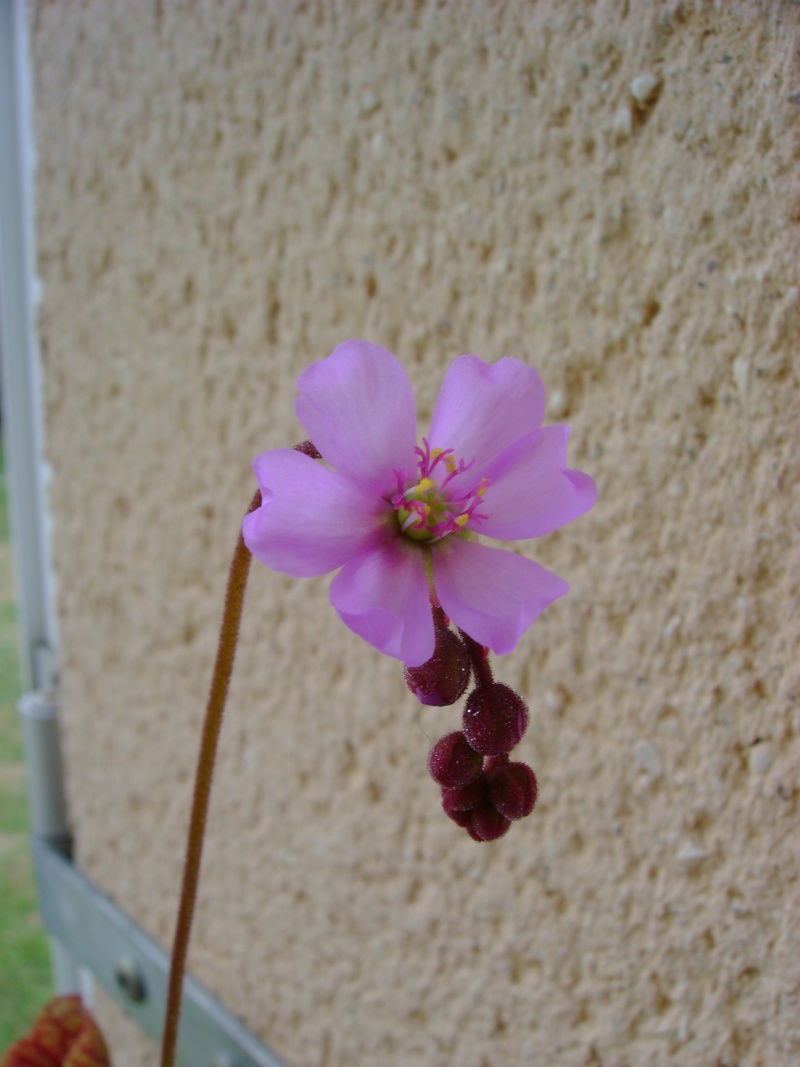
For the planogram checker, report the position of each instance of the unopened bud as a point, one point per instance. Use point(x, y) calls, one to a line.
point(460, 818)
point(443, 679)
point(465, 797)
point(487, 824)
point(513, 789)
point(453, 763)
point(495, 719)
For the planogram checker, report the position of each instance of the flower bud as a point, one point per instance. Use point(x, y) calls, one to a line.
point(513, 789)
point(460, 818)
point(453, 763)
point(495, 719)
point(465, 797)
point(487, 824)
point(444, 677)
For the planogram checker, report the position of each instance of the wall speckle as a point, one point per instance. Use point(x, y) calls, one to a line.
point(609, 191)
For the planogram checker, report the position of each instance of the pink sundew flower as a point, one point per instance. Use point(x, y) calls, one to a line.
point(398, 520)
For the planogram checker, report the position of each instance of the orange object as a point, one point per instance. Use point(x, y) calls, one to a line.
point(63, 1035)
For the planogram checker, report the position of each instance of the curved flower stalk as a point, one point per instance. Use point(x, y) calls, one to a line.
point(399, 520)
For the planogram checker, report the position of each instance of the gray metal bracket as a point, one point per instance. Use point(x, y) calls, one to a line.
point(133, 968)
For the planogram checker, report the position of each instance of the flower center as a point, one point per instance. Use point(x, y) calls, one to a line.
point(430, 509)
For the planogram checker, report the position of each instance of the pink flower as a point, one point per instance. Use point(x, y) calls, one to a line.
point(399, 521)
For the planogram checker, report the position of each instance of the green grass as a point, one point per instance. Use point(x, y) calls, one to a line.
point(25, 981)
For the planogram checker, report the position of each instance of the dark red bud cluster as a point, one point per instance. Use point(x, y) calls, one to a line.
point(482, 789)
point(500, 793)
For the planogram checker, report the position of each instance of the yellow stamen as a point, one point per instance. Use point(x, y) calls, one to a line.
point(425, 484)
point(462, 520)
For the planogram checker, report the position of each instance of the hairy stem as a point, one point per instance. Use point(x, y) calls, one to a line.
point(220, 680)
point(480, 660)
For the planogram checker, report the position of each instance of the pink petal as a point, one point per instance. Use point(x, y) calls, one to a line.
point(483, 407)
point(312, 520)
point(358, 408)
point(383, 597)
point(493, 595)
point(530, 492)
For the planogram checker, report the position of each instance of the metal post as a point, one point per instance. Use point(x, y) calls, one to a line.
point(22, 435)
point(22, 429)
point(48, 807)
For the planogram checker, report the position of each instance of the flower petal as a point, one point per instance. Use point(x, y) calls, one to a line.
point(493, 595)
point(358, 408)
point(311, 520)
point(483, 407)
point(383, 597)
point(531, 493)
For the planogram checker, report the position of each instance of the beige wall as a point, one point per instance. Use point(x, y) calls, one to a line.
point(226, 191)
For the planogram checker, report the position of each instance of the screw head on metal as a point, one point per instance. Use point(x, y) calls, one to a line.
point(130, 979)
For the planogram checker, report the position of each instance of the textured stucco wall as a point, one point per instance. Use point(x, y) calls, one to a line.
point(226, 191)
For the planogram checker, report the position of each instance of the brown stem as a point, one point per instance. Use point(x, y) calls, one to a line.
point(220, 680)
point(480, 660)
